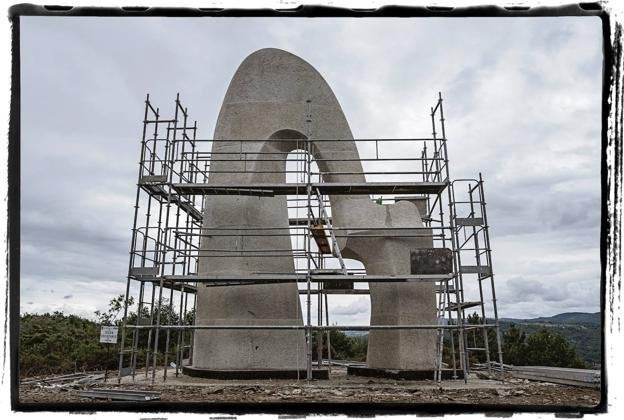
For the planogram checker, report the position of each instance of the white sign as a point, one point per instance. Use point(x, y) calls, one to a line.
point(108, 335)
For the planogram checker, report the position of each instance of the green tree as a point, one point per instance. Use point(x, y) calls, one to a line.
point(56, 343)
point(112, 316)
point(343, 347)
point(542, 348)
point(475, 339)
point(549, 348)
point(514, 346)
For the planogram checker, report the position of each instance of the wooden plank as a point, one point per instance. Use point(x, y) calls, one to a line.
point(320, 237)
point(342, 284)
point(468, 221)
point(144, 271)
point(475, 269)
point(464, 305)
point(145, 179)
point(267, 189)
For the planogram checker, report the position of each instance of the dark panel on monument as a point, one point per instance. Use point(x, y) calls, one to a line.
point(431, 261)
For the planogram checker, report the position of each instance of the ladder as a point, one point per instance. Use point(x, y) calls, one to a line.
point(475, 241)
point(327, 222)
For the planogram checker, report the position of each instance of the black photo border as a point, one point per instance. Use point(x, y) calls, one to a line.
point(612, 51)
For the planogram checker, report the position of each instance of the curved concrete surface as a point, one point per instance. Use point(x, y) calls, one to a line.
point(267, 99)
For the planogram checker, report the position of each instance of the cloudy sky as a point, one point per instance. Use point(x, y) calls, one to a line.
point(522, 102)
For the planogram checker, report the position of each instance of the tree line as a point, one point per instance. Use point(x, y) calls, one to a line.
point(57, 343)
point(545, 347)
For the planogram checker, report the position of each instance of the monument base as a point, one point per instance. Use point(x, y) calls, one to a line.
point(414, 375)
point(253, 373)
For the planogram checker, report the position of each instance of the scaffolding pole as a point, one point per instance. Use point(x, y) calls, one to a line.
point(166, 242)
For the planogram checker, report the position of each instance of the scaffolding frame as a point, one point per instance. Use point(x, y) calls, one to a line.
point(165, 245)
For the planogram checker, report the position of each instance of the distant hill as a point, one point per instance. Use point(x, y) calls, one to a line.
point(564, 318)
point(582, 329)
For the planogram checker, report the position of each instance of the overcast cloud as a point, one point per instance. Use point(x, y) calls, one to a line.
point(522, 103)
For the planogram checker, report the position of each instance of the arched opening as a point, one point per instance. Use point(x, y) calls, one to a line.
point(331, 303)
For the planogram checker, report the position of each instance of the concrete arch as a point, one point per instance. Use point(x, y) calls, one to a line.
point(267, 97)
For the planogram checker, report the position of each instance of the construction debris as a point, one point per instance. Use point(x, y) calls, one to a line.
point(341, 388)
point(121, 394)
point(63, 381)
point(567, 376)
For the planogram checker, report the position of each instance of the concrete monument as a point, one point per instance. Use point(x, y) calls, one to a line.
point(267, 99)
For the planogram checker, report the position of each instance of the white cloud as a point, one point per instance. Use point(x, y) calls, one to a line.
point(522, 101)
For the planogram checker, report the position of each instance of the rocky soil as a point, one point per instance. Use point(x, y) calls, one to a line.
point(481, 389)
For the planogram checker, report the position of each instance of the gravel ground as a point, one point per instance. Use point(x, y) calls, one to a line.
point(340, 388)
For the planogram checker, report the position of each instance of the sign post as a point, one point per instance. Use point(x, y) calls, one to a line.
point(108, 335)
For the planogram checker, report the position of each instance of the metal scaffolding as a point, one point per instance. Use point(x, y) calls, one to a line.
point(165, 251)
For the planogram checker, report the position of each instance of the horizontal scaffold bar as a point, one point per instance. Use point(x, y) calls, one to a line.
point(177, 286)
point(303, 141)
point(335, 291)
point(193, 289)
point(267, 189)
point(453, 306)
point(184, 231)
point(288, 278)
point(305, 327)
point(356, 291)
point(184, 204)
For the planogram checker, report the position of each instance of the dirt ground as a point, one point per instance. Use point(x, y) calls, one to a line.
point(480, 389)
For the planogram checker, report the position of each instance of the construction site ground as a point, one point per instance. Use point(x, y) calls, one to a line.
point(481, 389)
